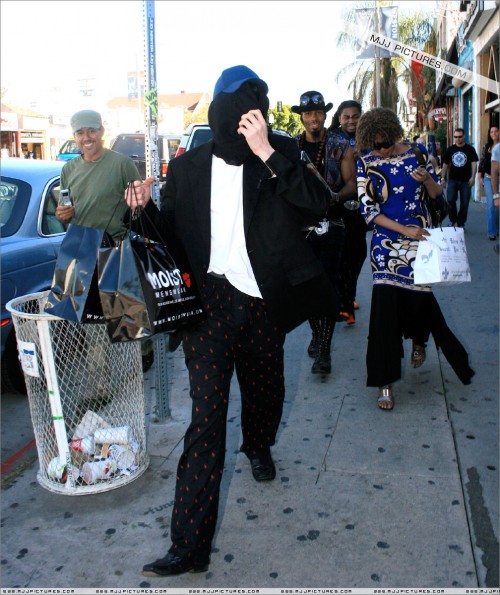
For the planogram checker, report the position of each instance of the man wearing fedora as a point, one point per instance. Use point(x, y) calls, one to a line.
point(236, 207)
point(332, 156)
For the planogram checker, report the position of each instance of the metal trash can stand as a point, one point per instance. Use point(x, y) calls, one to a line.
point(86, 398)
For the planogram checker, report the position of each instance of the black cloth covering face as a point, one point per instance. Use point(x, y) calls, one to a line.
point(224, 115)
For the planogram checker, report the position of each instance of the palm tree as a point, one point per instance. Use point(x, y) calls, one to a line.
point(395, 72)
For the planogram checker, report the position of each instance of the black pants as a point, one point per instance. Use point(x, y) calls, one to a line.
point(328, 248)
point(235, 335)
point(395, 313)
point(353, 257)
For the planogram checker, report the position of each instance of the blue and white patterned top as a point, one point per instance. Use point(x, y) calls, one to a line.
point(386, 187)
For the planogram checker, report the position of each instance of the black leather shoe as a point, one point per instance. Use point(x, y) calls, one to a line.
point(322, 364)
point(312, 350)
point(263, 468)
point(172, 564)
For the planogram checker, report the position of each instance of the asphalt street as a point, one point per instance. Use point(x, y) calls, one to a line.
point(363, 498)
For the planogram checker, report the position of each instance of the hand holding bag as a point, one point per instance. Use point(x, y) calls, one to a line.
point(144, 291)
point(442, 258)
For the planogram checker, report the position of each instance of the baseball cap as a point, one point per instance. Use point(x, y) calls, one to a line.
point(86, 118)
point(232, 78)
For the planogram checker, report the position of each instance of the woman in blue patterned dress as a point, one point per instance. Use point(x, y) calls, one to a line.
point(390, 188)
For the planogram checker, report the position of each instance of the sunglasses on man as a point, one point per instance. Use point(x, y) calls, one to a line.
point(316, 99)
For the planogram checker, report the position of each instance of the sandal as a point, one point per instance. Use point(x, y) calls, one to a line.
point(385, 397)
point(417, 355)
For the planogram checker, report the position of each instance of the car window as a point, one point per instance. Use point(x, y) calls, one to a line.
point(132, 146)
point(14, 199)
point(50, 223)
point(69, 147)
point(200, 137)
point(173, 145)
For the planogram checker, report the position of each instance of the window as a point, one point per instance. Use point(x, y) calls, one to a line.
point(50, 223)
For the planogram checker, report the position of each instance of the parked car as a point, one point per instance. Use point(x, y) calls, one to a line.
point(133, 145)
point(199, 134)
point(69, 150)
point(30, 237)
point(194, 136)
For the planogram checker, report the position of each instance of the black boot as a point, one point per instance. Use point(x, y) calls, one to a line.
point(315, 324)
point(322, 364)
point(312, 350)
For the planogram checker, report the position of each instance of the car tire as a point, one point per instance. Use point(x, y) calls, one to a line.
point(12, 372)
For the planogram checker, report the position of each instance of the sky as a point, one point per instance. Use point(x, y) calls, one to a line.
point(50, 49)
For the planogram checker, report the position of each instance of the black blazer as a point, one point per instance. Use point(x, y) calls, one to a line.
point(275, 209)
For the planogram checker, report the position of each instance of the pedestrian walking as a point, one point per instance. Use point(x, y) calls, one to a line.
point(236, 206)
point(344, 122)
point(390, 186)
point(458, 173)
point(333, 158)
point(495, 179)
point(484, 175)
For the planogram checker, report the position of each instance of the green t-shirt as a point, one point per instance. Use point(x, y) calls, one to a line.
point(96, 189)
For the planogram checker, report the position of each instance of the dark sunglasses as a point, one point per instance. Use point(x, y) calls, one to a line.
point(387, 144)
point(461, 136)
point(317, 99)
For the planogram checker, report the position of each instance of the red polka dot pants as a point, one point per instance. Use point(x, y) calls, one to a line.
point(236, 335)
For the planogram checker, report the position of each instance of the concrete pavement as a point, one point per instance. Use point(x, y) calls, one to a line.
point(362, 499)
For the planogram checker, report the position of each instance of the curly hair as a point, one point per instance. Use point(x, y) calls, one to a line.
point(379, 121)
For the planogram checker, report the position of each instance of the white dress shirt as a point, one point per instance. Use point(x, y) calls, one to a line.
point(228, 252)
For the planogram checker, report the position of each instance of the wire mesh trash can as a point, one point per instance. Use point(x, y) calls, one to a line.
point(86, 398)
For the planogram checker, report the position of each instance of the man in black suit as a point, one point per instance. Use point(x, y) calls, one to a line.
point(236, 207)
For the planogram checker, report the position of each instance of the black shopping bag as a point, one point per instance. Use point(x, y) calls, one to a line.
point(71, 296)
point(143, 291)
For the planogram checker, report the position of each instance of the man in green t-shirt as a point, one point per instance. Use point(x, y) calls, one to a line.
point(96, 180)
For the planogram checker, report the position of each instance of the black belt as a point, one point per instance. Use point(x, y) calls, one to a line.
point(217, 275)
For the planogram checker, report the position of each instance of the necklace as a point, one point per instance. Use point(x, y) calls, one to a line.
point(319, 152)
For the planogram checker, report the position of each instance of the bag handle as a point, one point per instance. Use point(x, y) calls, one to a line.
point(418, 154)
point(140, 212)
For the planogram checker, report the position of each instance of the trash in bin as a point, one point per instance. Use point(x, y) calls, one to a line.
point(86, 400)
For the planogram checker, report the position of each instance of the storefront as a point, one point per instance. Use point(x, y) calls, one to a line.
point(10, 134)
point(24, 133)
point(33, 137)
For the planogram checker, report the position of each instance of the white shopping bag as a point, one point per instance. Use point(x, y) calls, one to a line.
point(442, 258)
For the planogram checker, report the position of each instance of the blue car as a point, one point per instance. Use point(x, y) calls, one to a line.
point(69, 150)
point(30, 237)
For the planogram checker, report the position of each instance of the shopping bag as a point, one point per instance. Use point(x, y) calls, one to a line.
point(442, 258)
point(73, 273)
point(143, 291)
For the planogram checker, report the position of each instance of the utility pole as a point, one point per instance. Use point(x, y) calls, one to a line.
point(153, 169)
point(377, 55)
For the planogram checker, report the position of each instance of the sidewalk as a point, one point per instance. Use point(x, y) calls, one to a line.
point(363, 498)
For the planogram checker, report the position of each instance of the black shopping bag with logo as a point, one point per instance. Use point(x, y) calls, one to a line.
point(74, 294)
point(144, 291)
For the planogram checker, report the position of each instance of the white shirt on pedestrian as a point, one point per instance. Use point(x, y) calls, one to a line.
point(228, 251)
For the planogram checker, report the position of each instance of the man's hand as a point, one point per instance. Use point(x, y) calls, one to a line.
point(254, 128)
point(139, 195)
point(65, 213)
point(471, 182)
